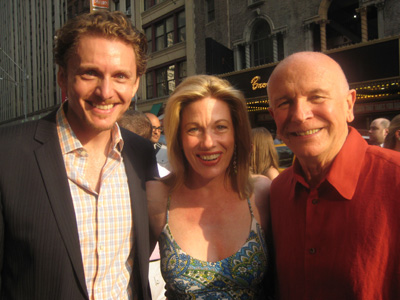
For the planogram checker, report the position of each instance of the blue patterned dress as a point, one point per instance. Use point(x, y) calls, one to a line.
point(239, 276)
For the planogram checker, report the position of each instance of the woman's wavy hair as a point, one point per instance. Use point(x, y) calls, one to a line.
point(390, 140)
point(263, 155)
point(195, 88)
point(111, 25)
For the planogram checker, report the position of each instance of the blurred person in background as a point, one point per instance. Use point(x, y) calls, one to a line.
point(392, 140)
point(161, 149)
point(137, 122)
point(157, 129)
point(209, 214)
point(264, 158)
point(378, 131)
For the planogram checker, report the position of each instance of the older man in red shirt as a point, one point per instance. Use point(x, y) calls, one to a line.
point(335, 214)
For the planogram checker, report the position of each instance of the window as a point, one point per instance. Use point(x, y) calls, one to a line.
point(261, 46)
point(210, 10)
point(167, 32)
point(182, 71)
point(344, 27)
point(160, 40)
point(149, 85)
point(165, 78)
point(181, 27)
point(149, 35)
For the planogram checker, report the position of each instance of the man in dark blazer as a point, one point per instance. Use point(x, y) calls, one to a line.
point(50, 192)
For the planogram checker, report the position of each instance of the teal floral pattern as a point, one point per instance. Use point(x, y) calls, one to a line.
point(239, 276)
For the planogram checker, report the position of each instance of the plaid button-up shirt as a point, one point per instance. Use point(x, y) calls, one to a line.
point(104, 219)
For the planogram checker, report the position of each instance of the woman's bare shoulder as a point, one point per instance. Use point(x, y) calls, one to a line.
point(155, 189)
point(272, 173)
point(262, 186)
point(157, 196)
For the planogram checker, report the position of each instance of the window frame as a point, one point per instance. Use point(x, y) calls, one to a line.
point(157, 41)
point(180, 72)
point(210, 10)
point(260, 46)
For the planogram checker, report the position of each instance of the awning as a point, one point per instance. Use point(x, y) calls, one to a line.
point(156, 108)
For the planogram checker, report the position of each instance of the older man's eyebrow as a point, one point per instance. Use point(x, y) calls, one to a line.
point(318, 91)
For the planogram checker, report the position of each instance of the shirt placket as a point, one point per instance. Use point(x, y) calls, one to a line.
point(311, 250)
point(104, 213)
point(100, 248)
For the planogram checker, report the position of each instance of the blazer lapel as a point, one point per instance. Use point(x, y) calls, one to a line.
point(51, 164)
point(140, 220)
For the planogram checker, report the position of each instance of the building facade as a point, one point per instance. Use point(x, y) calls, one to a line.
point(243, 40)
point(240, 40)
point(27, 70)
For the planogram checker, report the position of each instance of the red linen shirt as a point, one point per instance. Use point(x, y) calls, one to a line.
point(340, 240)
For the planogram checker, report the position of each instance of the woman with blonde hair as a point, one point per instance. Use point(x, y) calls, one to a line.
point(210, 215)
point(392, 140)
point(264, 158)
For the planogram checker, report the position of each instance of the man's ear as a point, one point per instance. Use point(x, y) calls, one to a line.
point(386, 131)
point(135, 87)
point(271, 112)
point(62, 79)
point(397, 134)
point(350, 100)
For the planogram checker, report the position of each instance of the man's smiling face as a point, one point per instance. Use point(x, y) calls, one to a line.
point(311, 105)
point(100, 81)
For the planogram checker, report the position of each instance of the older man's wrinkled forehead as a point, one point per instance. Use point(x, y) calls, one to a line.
point(308, 66)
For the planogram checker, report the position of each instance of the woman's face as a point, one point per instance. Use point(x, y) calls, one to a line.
point(207, 136)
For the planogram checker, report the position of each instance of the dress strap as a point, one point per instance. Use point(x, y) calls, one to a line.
point(168, 202)
point(251, 209)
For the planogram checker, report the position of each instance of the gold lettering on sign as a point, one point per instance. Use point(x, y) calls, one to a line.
point(255, 84)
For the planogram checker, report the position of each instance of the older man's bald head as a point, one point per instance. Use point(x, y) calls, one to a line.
point(309, 61)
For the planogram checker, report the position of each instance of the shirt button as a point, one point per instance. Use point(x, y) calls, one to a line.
point(312, 250)
point(315, 201)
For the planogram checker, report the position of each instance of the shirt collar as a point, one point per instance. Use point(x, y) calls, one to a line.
point(68, 140)
point(346, 167)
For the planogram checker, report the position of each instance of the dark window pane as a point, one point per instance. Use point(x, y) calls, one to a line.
point(149, 36)
point(182, 70)
point(160, 44)
point(181, 27)
point(149, 85)
point(210, 10)
point(262, 44)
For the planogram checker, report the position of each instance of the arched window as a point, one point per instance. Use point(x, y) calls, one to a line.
point(261, 45)
point(344, 25)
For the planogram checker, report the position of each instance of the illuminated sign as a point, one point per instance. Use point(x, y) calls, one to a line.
point(252, 83)
point(100, 4)
point(255, 84)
